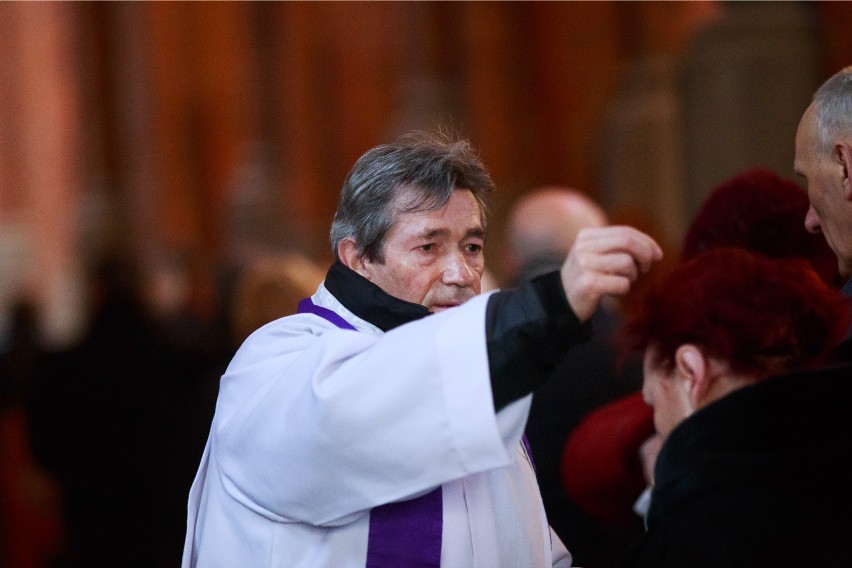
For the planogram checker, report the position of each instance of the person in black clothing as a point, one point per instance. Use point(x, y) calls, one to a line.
point(109, 419)
point(541, 229)
point(754, 470)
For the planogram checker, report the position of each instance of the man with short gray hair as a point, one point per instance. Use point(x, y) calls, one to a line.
point(823, 160)
point(382, 425)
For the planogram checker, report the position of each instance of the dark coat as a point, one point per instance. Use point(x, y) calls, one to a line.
point(759, 478)
point(844, 350)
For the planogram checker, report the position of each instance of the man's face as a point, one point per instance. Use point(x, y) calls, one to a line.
point(830, 213)
point(433, 258)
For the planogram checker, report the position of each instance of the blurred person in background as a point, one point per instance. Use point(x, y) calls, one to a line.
point(754, 469)
point(609, 457)
point(109, 419)
point(96, 422)
point(382, 424)
point(270, 288)
point(31, 528)
point(542, 226)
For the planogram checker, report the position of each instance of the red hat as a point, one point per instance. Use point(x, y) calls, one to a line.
point(600, 460)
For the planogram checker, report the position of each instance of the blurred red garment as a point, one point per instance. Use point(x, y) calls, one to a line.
point(31, 532)
point(601, 468)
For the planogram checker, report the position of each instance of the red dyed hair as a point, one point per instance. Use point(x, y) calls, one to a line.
point(762, 316)
point(762, 212)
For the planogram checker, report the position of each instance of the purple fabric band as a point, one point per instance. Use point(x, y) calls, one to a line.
point(406, 534)
point(528, 449)
point(307, 306)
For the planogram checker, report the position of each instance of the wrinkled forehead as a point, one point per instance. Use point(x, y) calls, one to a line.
point(416, 199)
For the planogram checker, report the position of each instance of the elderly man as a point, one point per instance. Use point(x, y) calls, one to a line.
point(382, 425)
point(823, 159)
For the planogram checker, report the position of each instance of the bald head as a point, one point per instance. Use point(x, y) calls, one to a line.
point(542, 227)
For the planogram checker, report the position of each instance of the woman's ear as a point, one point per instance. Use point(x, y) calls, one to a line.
point(349, 255)
point(693, 373)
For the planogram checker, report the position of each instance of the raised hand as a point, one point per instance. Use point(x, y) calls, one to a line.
point(605, 262)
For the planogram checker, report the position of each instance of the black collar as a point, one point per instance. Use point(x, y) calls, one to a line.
point(368, 301)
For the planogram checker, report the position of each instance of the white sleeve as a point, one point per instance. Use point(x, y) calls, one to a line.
point(560, 557)
point(316, 424)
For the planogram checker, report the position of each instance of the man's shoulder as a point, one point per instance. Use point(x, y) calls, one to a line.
point(288, 333)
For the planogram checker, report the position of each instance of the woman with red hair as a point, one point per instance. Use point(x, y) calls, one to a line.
point(754, 470)
point(607, 460)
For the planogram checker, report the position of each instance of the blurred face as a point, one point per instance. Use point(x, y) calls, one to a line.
point(433, 258)
point(666, 394)
point(830, 212)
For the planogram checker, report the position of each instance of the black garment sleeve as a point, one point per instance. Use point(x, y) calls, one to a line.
point(528, 331)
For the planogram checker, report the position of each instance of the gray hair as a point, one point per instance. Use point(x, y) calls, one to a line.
point(422, 168)
point(833, 107)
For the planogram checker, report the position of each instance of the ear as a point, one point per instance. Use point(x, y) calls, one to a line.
point(349, 255)
point(843, 155)
point(693, 371)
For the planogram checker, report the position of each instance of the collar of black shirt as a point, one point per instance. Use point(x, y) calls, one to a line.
point(368, 301)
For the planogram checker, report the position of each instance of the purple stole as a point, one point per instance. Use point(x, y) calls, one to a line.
point(405, 534)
